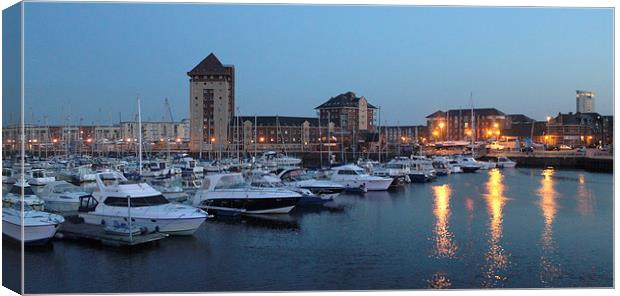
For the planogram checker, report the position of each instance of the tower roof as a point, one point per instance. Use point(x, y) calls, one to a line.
point(210, 65)
point(348, 99)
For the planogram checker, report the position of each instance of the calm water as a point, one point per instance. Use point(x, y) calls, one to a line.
point(510, 228)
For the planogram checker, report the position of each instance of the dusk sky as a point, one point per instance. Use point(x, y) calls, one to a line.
point(90, 61)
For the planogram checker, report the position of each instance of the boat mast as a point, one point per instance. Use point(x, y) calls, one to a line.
point(473, 124)
point(139, 137)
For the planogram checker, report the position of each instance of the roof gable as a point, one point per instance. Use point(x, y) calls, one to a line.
point(210, 65)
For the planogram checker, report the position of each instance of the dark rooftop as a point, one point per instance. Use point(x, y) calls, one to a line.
point(275, 120)
point(477, 111)
point(347, 99)
point(211, 65)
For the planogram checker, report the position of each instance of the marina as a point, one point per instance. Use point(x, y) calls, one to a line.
point(451, 231)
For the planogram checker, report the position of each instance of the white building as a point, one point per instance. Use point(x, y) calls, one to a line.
point(585, 101)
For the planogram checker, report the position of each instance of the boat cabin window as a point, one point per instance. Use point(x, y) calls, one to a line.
point(18, 190)
point(136, 201)
point(67, 188)
point(7, 172)
point(38, 174)
point(235, 181)
point(292, 176)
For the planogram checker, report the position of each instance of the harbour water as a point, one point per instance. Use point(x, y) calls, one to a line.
point(512, 228)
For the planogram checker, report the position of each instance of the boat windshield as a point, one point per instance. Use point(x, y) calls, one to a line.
point(38, 174)
point(66, 188)
point(230, 182)
point(145, 201)
point(296, 175)
point(17, 190)
point(395, 166)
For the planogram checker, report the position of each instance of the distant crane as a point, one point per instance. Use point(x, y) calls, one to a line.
point(167, 104)
point(169, 109)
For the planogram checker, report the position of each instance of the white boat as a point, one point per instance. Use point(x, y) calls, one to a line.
point(229, 193)
point(38, 227)
point(40, 177)
point(505, 162)
point(189, 166)
point(299, 178)
point(61, 196)
point(273, 160)
point(172, 192)
point(398, 169)
point(8, 176)
point(116, 198)
point(468, 164)
point(21, 191)
point(353, 177)
point(442, 166)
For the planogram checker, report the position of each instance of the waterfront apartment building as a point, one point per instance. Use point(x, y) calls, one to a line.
point(353, 119)
point(456, 124)
point(154, 131)
point(579, 129)
point(278, 133)
point(585, 101)
point(211, 104)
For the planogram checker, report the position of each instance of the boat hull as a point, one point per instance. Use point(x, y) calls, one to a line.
point(281, 205)
point(173, 226)
point(33, 235)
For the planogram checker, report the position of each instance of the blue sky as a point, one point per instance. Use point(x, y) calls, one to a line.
point(90, 61)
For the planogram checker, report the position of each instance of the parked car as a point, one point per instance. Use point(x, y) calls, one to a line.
point(565, 147)
point(581, 149)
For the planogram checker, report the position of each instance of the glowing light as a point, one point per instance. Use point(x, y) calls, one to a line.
point(178, 140)
point(496, 125)
point(441, 125)
point(128, 139)
point(261, 139)
point(444, 246)
point(89, 140)
point(496, 258)
point(212, 140)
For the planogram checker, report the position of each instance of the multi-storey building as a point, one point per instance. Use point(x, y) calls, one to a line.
point(456, 124)
point(353, 116)
point(153, 131)
point(211, 103)
point(585, 101)
point(576, 129)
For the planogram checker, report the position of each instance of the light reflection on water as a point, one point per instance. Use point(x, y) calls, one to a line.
point(585, 199)
point(496, 258)
point(549, 270)
point(444, 244)
point(511, 228)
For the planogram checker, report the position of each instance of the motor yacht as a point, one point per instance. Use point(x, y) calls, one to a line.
point(38, 227)
point(8, 176)
point(273, 160)
point(505, 162)
point(171, 191)
point(21, 191)
point(296, 177)
point(61, 196)
point(353, 177)
point(229, 193)
point(468, 164)
point(40, 177)
point(116, 198)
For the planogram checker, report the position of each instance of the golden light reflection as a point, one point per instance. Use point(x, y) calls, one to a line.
point(549, 270)
point(496, 257)
point(585, 200)
point(444, 246)
point(439, 281)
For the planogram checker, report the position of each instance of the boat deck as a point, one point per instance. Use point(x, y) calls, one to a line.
point(97, 233)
